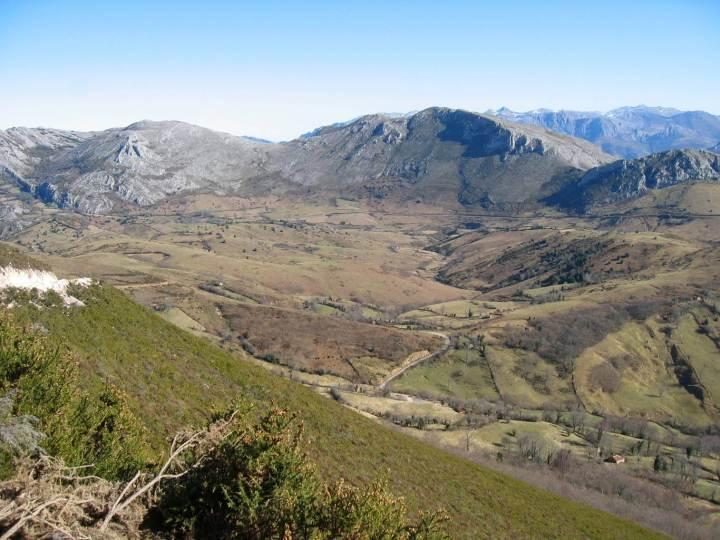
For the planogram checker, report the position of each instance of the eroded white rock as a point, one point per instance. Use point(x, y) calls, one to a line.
point(41, 281)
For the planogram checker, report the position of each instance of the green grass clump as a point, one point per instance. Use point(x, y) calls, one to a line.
point(173, 379)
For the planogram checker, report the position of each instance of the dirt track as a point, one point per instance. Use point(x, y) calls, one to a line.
point(394, 374)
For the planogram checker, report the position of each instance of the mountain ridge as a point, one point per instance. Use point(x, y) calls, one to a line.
point(449, 155)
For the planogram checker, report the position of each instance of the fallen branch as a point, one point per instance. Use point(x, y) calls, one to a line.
point(120, 504)
point(29, 515)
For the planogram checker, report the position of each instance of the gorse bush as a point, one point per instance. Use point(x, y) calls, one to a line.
point(255, 482)
point(82, 423)
point(373, 512)
point(243, 476)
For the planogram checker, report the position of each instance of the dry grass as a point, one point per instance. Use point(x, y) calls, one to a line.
point(46, 497)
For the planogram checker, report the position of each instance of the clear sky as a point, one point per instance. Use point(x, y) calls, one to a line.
point(276, 69)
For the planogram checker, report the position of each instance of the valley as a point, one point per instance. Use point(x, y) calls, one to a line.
point(501, 338)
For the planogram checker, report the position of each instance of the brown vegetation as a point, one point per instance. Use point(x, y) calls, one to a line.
point(605, 377)
point(318, 343)
point(546, 259)
point(561, 337)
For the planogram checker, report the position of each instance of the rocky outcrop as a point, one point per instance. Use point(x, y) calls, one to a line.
point(441, 155)
point(628, 179)
point(23, 149)
point(139, 164)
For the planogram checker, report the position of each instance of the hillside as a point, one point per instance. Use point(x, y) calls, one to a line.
point(628, 132)
point(559, 305)
point(139, 164)
point(550, 317)
point(184, 378)
point(439, 155)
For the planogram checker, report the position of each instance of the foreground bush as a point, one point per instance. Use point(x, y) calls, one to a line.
point(251, 480)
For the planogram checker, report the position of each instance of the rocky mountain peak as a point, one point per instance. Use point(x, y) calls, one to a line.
point(134, 147)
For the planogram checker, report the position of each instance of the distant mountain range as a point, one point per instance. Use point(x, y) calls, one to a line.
point(438, 155)
point(628, 132)
point(445, 157)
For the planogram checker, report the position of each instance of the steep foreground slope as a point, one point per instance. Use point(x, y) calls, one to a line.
point(173, 379)
point(628, 132)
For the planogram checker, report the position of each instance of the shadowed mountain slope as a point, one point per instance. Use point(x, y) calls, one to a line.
point(629, 179)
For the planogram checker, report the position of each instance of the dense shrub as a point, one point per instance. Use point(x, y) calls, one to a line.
point(562, 337)
point(255, 482)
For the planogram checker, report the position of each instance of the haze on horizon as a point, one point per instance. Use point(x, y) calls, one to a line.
point(277, 69)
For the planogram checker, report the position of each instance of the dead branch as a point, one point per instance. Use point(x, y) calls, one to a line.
point(121, 503)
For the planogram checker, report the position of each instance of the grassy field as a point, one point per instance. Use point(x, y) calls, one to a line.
point(647, 388)
point(181, 319)
point(695, 342)
point(261, 260)
point(457, 373)
point(527, 380)
point(387, 407)
point(504, 437)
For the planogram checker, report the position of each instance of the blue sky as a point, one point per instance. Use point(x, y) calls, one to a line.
point(276, 69)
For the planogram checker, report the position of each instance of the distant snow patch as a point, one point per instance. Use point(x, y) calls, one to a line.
point(42, 282)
